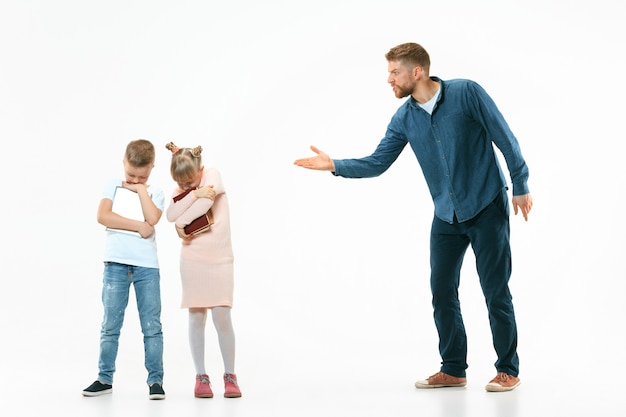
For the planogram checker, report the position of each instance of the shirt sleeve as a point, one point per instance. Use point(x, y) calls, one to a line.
point(109, 188)
point(501, 135)
point(378, 162)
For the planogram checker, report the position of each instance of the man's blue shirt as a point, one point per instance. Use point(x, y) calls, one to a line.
point(454, 147)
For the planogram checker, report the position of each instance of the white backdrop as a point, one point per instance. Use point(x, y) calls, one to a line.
point(331, 273)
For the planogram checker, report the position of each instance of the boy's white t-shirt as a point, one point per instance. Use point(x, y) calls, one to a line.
point(131, 249)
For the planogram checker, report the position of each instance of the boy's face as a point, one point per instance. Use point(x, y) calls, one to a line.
point(136, 175)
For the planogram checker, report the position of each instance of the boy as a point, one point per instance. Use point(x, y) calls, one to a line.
point(131, 258)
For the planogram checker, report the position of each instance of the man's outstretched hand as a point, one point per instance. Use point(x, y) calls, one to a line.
point(320, 162)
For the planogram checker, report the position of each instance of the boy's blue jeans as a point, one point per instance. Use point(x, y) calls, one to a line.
point(115, 291)
point(488, 234)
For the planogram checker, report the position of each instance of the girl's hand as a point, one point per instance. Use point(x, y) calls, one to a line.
point(205, 192)
point(182, 234)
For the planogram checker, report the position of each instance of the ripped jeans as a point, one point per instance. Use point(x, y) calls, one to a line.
point(115, 292)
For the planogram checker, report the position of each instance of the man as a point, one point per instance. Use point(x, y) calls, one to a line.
point(451, 126)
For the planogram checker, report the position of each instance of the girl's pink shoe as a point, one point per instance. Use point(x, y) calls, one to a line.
point(231, 388)
point(203, 387)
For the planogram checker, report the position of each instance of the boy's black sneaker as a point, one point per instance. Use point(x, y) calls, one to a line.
point(156, 392)
point(97, 388)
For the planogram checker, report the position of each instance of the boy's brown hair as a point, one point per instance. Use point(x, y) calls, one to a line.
point(140, 153)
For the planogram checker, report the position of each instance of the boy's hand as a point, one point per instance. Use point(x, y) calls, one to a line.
point(133, 187)
point(205, 192)
point(145, 229)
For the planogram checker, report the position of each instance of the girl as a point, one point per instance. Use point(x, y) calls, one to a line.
point(206, 262)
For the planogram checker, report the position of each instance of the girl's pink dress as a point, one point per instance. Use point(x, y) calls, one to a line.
point(206, 261)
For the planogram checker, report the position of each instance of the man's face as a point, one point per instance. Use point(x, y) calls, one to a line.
point(136, 175)
point(401, 80)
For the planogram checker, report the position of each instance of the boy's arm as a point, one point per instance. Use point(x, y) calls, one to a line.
point(151, 212)
point(108, 218)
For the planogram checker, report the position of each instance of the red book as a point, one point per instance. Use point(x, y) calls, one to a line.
point(199, 225)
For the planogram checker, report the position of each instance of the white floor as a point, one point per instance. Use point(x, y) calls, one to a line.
point(334, 394)
point(318, 370)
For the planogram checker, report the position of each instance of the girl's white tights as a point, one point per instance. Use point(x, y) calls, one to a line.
point(225, 335)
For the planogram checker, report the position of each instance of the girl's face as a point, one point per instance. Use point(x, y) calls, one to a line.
point(193, 184)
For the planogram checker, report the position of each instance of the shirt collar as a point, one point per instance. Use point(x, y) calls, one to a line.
point(414, 103)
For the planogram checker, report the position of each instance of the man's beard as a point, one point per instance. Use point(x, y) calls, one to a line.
point(403, 92)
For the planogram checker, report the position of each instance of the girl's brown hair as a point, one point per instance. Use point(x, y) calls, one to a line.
point(186, 162)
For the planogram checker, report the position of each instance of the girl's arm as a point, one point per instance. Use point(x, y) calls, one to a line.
point(190, 207)
point(175, 209)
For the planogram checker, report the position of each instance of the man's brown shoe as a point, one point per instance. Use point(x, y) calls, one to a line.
point(503, 382)
point(440, 380)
